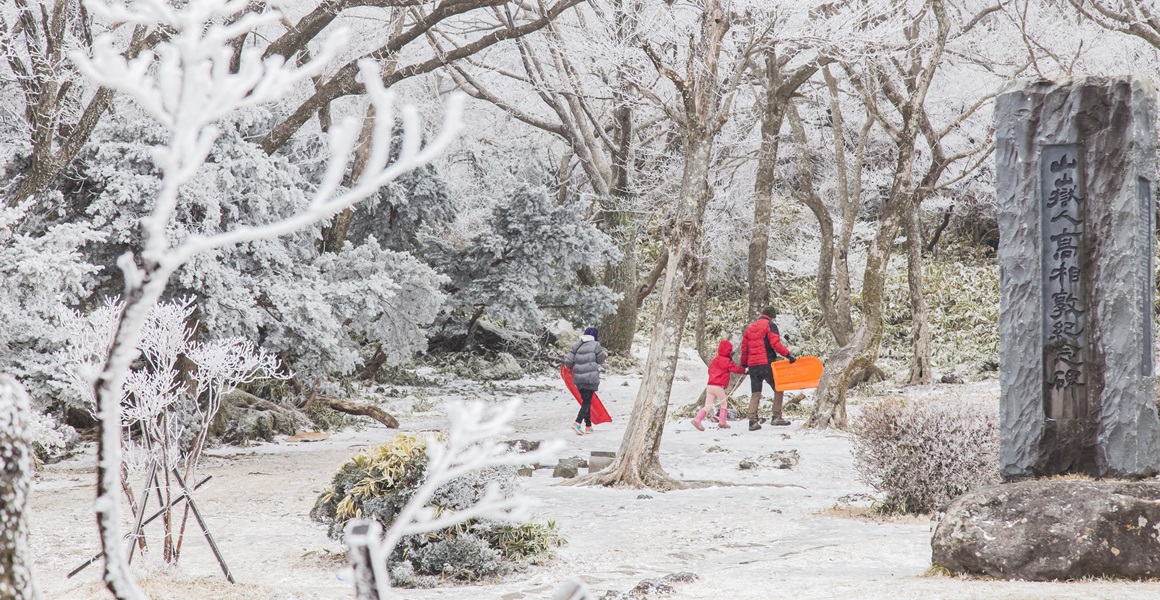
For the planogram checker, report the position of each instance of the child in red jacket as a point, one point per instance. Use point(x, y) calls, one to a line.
point(719, 370)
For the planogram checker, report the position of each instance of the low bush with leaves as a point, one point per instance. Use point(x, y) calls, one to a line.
point(922, 453)
point(378, 483)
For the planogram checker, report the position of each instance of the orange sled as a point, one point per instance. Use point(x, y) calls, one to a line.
point(599, 414)
point(803, 374)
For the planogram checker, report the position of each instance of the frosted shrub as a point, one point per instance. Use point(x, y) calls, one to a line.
point(922, 453)
point(51, 439)
point(165, 412)
point(376, 484)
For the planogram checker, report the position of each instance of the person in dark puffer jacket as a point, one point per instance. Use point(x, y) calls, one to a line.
point(584, 359)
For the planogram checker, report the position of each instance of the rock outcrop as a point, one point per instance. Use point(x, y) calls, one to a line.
point(1046, 530)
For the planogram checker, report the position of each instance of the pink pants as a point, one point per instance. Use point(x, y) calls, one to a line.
point(714, 393)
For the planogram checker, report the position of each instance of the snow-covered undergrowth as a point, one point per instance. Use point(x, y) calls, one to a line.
point(921, 453)
point(963, 303)
point(378, 483)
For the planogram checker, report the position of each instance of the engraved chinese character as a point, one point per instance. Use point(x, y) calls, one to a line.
point(1065, 304)
point(1065, 329)
point(1069, 354)
point(1065, 244)
point(1063, 273)
point(1062, 164)
point(1063, 196)
point(1066, 217)
point(1065, 379)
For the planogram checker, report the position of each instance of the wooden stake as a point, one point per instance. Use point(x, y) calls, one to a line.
point(201, 522)
point(152, 517)
point(135, 535)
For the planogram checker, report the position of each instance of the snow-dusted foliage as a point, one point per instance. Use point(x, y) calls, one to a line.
point(530, 256)
point(406, 212)
point(458, 485)
point(922, 453)
point(40, 267)
point(16, 580)
point(319, 310)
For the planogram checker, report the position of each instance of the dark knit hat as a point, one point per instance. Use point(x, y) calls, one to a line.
point(592, 332)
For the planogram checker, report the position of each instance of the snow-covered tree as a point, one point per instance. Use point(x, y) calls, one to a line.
point(322, 312)
point(531, 256)
point(40, 267)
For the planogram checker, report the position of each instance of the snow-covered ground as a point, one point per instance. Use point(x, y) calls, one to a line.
point(769, 534)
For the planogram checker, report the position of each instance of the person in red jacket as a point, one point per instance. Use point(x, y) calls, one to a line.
point(719, 369)
point(760, 346)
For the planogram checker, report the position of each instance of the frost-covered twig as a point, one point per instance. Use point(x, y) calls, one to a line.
point(187, 83)
point(471, 445)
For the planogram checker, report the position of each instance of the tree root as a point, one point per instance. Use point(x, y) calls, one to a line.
point(618, 475)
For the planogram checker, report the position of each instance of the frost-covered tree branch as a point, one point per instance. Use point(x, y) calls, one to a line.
point(186, 84)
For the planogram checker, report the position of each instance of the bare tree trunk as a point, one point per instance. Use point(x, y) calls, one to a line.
point(334, 234)
point(16, 580)
point(920, 365)
point(619, 328)
point(845, 363)
point(772, 115)
point(704, 349)
point(830, 405)
point(637, 463)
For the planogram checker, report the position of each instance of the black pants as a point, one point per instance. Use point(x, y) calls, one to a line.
point(585, 414)
point(759, 374)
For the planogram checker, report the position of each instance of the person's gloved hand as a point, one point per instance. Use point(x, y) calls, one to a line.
point(792, 359)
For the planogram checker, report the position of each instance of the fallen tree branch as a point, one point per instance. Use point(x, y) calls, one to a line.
point(362, 410)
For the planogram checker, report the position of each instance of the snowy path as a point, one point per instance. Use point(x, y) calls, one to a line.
point(771, 535)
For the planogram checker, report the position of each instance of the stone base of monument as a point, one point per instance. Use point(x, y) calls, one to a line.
point(1047, 530)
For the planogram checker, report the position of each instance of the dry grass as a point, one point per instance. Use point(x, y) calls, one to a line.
point(871, 515)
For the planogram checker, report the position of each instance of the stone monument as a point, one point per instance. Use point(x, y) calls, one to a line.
point(1074, 169)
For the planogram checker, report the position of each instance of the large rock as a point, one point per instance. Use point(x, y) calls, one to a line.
point(1044, 530)
point(569, 467)
point(504, 366)
point(599, 460)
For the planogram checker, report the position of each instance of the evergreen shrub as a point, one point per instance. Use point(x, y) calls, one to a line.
point(922, 453)
point(378, 483)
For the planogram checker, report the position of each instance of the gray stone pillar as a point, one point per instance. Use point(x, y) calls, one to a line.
point(1074, 170)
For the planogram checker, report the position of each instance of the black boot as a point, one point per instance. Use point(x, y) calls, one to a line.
point(754, 425)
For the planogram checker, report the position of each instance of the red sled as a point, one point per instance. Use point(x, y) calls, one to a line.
point(599, 414)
